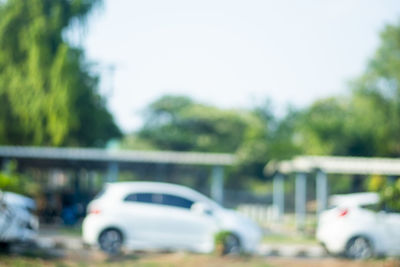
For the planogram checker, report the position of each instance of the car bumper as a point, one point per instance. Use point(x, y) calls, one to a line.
point(251, 242)
point(332, 238)
point(91, 229)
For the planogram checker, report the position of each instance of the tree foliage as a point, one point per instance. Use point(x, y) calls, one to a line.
point(367, 121)
point(12, 181)
point(47, 94)
point(179, 123)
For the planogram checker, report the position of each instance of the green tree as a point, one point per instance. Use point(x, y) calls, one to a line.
point(380, 83)
point(179, 123)
point(353, 126)
point(11, 180)
point(47, 94)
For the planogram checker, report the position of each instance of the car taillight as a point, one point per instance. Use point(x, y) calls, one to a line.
point(343, 212)
point(95, 211)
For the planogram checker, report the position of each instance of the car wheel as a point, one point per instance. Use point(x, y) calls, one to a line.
point(359, 248)
point(110, 241)
point(232, 245)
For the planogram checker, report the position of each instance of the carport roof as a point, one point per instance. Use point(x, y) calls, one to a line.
point(336, 165)
point(118, 156)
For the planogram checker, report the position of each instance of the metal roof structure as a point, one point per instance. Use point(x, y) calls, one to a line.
point(336, 165)
point(117, 156)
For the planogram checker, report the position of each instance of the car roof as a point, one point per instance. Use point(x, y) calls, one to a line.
point(142, 185)
point(354, 199)
point(123, 188)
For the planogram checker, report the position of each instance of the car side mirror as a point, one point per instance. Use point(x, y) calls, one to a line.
point(202, 208)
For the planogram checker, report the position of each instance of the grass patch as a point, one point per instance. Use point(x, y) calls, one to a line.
point(284, 239)
point(72, 231)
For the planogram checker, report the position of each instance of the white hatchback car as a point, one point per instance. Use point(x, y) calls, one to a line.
point(161, 216)
point(356, 228)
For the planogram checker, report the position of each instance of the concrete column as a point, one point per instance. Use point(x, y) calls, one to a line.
point(76, 183)
point(76, 187)
point(321, 191)
point(91, 177)
point(112, 172)
point(6, 166)
point(279, 195)
point(301, 200)
point(217, 184)
point(161, 172)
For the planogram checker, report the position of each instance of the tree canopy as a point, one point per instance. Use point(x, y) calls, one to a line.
point(48, 95)
point(365, 122)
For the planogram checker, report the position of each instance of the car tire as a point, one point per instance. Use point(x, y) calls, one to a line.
point(110, 241)
point(232, 245)
point(359, 248)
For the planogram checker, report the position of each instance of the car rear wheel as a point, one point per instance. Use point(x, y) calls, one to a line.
point(359, 248)
point(110, 241)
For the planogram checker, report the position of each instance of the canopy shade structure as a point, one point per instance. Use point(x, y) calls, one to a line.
point(103, 155)
point(113, 160)
point(336, 165)
point(320, 166)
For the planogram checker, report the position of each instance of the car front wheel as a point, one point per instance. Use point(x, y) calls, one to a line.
point(110, 241)
point(359, 248)
point(231, 244)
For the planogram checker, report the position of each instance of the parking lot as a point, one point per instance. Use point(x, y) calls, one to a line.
point(63, 247)
point(95, 258)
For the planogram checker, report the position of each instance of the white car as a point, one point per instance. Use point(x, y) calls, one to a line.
point(17, 221)
point(161, 216)
point(356, 227)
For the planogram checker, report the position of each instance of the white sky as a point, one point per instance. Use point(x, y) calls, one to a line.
point(231, 53)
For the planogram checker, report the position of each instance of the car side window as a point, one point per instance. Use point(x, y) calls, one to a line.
point(175, 201)
point(163, 199)
point(140, 197)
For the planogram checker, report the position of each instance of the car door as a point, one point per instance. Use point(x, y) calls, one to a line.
point(142, 218)
point(185, 228)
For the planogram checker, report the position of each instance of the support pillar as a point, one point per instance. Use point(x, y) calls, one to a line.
point(217, 184)
point(321, 190)
point(161, 172)
point(6, 166)
point(279, 195)
point(90, 184)
point(300, 198)
point(112, 172)
point(76, 183)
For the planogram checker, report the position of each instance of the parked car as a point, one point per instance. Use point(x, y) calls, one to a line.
point(17, 220)
point(161, 216)
point(357, 228)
